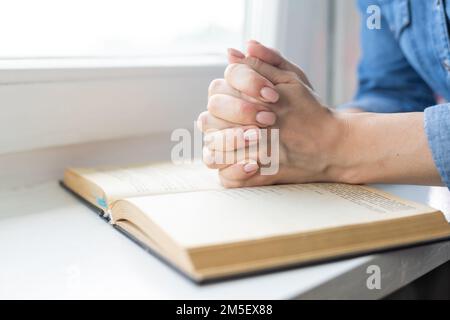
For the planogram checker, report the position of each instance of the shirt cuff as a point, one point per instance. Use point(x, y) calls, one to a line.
point(437, 128)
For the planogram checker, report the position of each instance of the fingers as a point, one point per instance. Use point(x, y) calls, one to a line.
point(232, 146)
point(246, 174)
point(206, 122)
point(235, 56)
point(248, 81)
point(255, 78)
point(232, 138)
point(268, 55)
point(239, 174)
point(218, 120)
point(274, 74)
point(239, 111)
point(220, 86)
point(235, 153)
point(238, 106)
point(274, 58)
point(222, 159)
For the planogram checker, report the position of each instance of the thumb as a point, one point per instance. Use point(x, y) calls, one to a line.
point(268, 55)
point(273, 57)
point(271, 73)
point(234, 56)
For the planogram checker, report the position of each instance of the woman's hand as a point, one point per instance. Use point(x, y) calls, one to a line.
point(256, 95)
point(265, 91)
point(260, 92)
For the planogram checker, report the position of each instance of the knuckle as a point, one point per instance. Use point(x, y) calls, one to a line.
point(254, 62)
point(210, 131)
point(215, 86)
point(254, 80)
point(291, 75)
point(202, 120)
point(213, 102)
point(202, 117)
point(230, 69)
point(246, 109)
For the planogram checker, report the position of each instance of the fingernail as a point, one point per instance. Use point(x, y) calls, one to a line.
point(266, 118)
point(236, 53)
point(251, 135)
point(251, 167)
point(269, 94)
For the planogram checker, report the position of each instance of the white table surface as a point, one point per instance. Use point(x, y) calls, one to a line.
point(52, 246)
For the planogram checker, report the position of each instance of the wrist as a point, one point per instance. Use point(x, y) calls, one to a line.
point(383, 148)
point(343, 152)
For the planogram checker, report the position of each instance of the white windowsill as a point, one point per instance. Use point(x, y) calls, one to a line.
point(19, 71)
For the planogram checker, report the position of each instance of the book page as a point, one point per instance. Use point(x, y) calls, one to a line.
point(123, 182)
point(215, 217)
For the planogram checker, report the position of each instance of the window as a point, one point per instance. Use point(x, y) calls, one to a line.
point(119, 28)
point(75, 71)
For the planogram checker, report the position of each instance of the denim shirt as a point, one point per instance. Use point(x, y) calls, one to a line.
point(405, 65)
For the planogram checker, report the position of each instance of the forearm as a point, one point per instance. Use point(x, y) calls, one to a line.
point(385, 148)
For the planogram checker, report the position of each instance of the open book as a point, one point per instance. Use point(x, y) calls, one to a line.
point(182, 214)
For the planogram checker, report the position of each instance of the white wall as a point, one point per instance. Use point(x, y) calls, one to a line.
point(322, 37)
point(346, 51)
point(304, 38)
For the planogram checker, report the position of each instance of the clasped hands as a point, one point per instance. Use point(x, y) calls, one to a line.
point(262, 90)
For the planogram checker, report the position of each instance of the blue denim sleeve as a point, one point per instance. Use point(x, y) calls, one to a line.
point(387, 83)
point(437, 128)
